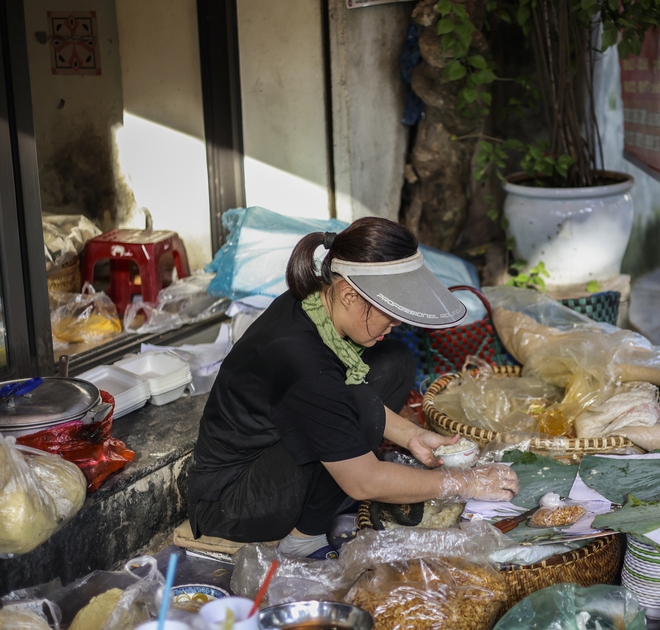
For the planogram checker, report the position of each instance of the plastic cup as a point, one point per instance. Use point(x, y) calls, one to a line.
point(214, 613)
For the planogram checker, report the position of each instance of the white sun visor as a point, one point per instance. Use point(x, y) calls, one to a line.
point(405, 289)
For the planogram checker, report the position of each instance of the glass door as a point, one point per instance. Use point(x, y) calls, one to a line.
point(4, 363)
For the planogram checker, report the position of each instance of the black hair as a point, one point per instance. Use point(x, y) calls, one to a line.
point(370, 239)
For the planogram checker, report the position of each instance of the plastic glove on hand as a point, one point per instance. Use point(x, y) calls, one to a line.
point(493, 482)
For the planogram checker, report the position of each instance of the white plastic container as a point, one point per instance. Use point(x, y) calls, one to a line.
point(463, 458)
point(168, 396)
point(167, 374)
point(130, 391)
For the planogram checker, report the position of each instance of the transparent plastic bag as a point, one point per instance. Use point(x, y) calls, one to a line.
point(555, 512)
point(496, 402)
point(141, 601)
point(251, 563)
point(86, 317)
point(474, 540)
point(530, 323)
point(551, 446)
point(185, 301)
point(573, 607)
point(65, 236)
point(39, 493)
point(441, 593)
point(13, 618)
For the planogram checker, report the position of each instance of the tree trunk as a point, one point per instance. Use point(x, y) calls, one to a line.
point(439, 170)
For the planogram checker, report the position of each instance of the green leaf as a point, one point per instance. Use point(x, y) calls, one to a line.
point(448, 40)
point(478, 61)
point(510, 243)
point(587, 4)
point(443, 7)
point(512, 144)
point(455, 70)
point(487, 98)
point(518, 265)
point(504, 223)
point(624, 49)
point(445, 25)
point(593, 286)
point(469, 94)
point(492, 214)
point(486, 146)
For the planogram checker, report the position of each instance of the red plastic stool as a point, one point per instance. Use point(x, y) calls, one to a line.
point(143, 247)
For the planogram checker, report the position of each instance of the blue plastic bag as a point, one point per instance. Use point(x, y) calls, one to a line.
point(253, 260)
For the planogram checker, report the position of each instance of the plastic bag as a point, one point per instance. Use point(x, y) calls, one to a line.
point(65, 236)
point(551, 446)
point(185, 301)
point(631, 404)
point(90, 446)
point(254, 257)
point(555, 512)
point(572, 607)
point(473, 541)
point(39, 493)
point(87, 317)
point(529, 322)
point(13, 618)
point(441, 593)
point(495, 402)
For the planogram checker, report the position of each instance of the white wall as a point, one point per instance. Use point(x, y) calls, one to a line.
point(161, 145)
point(367, 101)
point(73, 118)
point(282, 91)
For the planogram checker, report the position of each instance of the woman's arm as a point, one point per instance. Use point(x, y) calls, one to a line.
point(420, 442)
point(366, 477)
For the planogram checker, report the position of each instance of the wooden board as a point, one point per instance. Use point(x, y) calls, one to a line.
point(183, 537)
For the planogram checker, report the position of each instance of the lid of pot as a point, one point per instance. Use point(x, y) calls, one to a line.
point(55, 400)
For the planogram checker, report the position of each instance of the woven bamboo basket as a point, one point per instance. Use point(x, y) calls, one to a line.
point(598, 562)
point(67, 279)
point(442, 423)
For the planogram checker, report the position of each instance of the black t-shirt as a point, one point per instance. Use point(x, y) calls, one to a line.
point(280, 382)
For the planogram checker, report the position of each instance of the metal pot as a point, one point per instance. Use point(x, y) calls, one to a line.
point(54, 402)
point(315, 613)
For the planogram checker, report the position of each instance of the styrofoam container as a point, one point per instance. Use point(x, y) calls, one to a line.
point(153, 365)
point(168, 396)
point(114, 380)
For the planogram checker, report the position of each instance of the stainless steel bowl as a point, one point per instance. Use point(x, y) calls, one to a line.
point(328, 614)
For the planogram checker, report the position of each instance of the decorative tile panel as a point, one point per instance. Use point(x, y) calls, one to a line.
point(74, 42)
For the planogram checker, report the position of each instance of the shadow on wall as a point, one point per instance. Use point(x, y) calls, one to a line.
point(83, 172)
point(643, 254)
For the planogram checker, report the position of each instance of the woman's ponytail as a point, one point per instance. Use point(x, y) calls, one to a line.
point(301, 273)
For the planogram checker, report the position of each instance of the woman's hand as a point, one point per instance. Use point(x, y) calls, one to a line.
point(423, 443)
point(492, 482)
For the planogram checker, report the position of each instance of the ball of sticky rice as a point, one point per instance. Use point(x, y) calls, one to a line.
point(22, 620)
point(96, 613)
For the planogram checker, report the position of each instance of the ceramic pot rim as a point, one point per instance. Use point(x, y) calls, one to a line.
point(511, 185)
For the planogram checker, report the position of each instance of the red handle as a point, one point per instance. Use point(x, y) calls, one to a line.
point(479, 294)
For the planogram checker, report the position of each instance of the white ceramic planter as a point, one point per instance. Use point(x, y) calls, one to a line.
point(580, 234)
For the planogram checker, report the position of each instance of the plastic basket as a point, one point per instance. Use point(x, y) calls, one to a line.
point(601, 307)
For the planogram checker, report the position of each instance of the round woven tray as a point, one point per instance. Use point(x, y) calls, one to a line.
point(598, 562)
point(442, 423)
point(66, 279)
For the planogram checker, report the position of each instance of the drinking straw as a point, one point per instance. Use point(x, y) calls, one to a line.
point(264, 587)
point(169, 580)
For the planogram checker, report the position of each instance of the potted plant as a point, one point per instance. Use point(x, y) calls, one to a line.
point(562, 209)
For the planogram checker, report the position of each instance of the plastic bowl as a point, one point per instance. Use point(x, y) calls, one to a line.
point(313, 614)
point(461, 459)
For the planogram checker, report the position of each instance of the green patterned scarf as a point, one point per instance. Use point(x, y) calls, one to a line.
point(346, 350)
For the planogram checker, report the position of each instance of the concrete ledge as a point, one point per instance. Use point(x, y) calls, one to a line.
point(138, 503)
